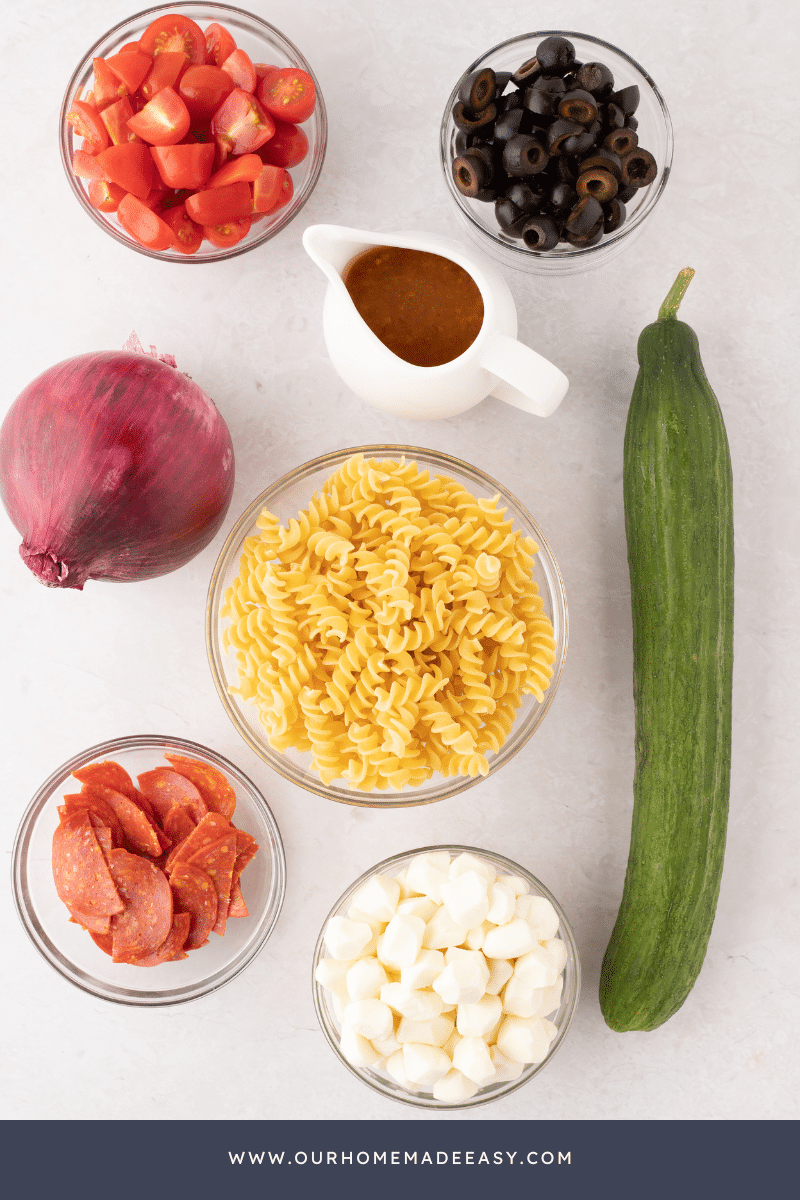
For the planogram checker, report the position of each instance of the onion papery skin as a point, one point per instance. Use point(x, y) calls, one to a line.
point(113, 466)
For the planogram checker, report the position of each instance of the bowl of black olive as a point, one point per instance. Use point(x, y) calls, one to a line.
point(555, 148)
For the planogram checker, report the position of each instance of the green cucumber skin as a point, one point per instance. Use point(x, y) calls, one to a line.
point(679, 526)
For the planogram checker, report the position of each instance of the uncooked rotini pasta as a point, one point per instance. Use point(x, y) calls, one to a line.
point(392, 629)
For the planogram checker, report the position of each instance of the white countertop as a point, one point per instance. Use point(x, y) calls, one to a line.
point(82, 667)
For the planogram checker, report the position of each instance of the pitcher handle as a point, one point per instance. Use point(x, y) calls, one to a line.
point(525, 378)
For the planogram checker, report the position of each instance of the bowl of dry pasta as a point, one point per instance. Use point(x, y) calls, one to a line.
point(386, 626)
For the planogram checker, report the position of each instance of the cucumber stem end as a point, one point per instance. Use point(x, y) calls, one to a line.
point(669, 309)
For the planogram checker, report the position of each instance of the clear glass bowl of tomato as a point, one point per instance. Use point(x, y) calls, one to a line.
point(165, 62)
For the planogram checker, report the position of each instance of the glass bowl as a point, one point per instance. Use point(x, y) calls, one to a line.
point(655, 135)
point(263, 43)
point(284, 499)
point(380, 1080)
point(69, 948)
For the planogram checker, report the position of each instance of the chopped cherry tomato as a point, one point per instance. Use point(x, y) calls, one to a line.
point(289, 94)
point(107, 86)
point(264, 69)
point(241, 70)
point(287, 191)
point(219, 44)
point(240, 125)
point(131, 66)
point(87, 124)
point(287, 147)
point(105, 195)
point(145, 226)
point(156, 198)
point(115, 118)
point(87, 166)
point(203, 90)
point(218, 206)
point(246, 167)
point(129, 165)
point(228, 234)
point(164, 120)
point(267, 188)
point(186, 166)
point(165, 72)
point(175, 32)
point(187, 237)
point(129, 46)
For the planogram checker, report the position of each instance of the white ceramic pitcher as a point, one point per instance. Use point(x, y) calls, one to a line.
point(495, 364)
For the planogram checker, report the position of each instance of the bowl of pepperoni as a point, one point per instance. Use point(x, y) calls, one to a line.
point(193, 133)
point(148, 871)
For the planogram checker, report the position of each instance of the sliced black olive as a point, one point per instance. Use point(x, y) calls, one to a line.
point(526, 198)
point(524, 154)
point(578, 106)
point(621, 140)
point(626, 193)
point(627, 99)
point(631, 123)
point(596, 78)
point(585, 239)
point(540, 104)
point(614, 116)
point(556, 55)
point(613, 215)
point(558, 133)
point(584, 216)
point(471, 174)
point(540, 233)
point(580, 143)
point(507, 213)
point(598, 183)
point(465, 118)
point(464, 140)
point(604, 158)
point(567, 169)
point(501, 82)
point(478, 89)
point(552, 85)
point(516, 120)
point(506, 103)
point(563, 198)
point(638, 168)
point(527, 72)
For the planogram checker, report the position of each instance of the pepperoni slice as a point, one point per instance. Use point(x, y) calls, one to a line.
point(94, 804)
point(193, 892)
point(103, 940)
point(178, 824)
point(114, 776)
point(246, 848)
point(210, 783)
point(164, 787)
point(139, 832)
point(212, 827)
point(147, 918)
point(217, 861)
point(171, 948)
point(82, 878)
point(237, 906)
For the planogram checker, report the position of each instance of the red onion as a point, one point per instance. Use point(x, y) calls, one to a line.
point(114, 466)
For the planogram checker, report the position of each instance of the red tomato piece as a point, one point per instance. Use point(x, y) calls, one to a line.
point(86, 166)
point(104, 195)
point(144, 226)
point(287, 147)
point(86, 122)
point(156, 197)
point(164, 120)
point(289, 94)
point(240, 125)
point(185, 166)
point(225, 236)
point(107, 86)
point(129, 46)
point(217, 206)
point(115, 118)
point(246, 167)
point(166, 70)
point(131, 66)
point(174, 32)
point(203, 90)
point(264, 69)
point(130, 166)
point(268, 187)
point(241, 70)
point(219, 44)
point(287, 191)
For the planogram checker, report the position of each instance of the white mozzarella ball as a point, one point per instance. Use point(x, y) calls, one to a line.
point(523, 1039)
point(395, 1065)
point(477, 936)
point(365, 978)
point(386, 1046)
point(463, 980)
point(471, 1057)
point(466, 899)
point(468, 862)
point(502, 903)
point(500, 971)
point(442, 931)
point(378, 897)
point(418, 1004)
point(435, 1032)
point(505, 1069)
point(371, 1018)
point(479, 1019)
point(509, 940)
point(521, 999)
point(451, 1043)
point(418, 906)
point(424, 1065)
point(422, 972)
point(537, 967)
point(331, 973)
point(426, 874)
point(551, 997)
point(559, 949)
point(518, 885)
point(401, 941)
point(550, 1029)
point(346, 939)
point(357, 1049)
point(454, 1088)
point(540, 915)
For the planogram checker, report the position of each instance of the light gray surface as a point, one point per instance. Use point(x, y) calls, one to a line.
point(79, 668)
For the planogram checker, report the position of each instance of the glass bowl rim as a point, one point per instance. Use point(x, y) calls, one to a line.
point(39, 936)
point(410, 1098)
point(317, 150)
point(576, 253)
point(450, 787)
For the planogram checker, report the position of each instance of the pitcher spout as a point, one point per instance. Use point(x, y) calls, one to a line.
point(333, 246)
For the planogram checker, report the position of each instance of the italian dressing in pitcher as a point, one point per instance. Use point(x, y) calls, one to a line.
point(494, 363)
